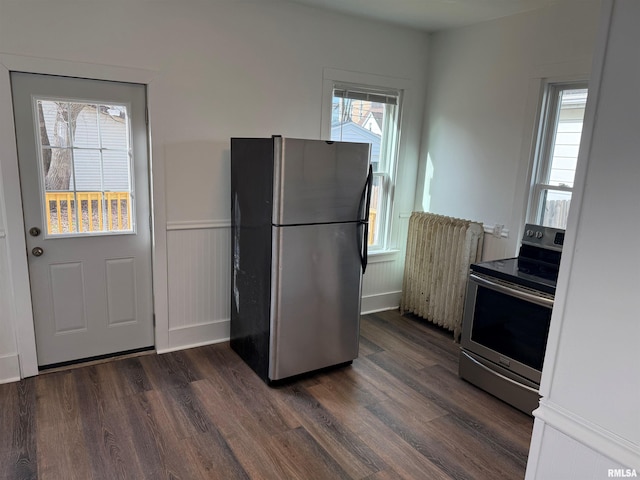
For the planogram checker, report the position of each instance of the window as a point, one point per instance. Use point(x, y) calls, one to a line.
point(558, 143)
point(370, 115)
point(85, 167)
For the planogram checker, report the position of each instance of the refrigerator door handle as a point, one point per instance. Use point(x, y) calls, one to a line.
point(364, 220)
point(365, 197)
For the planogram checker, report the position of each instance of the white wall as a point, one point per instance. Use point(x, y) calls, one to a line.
point(215, 69)
point(589, 418)
point(483, 93)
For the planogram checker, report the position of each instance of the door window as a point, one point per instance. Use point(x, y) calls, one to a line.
point(85, 167)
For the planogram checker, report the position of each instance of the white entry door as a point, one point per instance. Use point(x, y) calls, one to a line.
point(82, 151)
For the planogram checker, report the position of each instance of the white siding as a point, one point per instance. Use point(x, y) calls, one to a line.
point(88, 165)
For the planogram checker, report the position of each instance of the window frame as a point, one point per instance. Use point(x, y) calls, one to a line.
point(380, 85)
point(545, 132)
point(44, 206)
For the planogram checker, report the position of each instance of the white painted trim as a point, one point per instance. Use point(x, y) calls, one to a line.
point(383, 256)
point(528, 149)
point(575, 70)
point(380, 302)
point(535, 445)
point(198, 335)
point(9, 368)
point(19, 285)
point(198, 225)
point(218, 331)
point(562, 72)
point(19, 312)
point(589, 434)
point(159, 217)
point(65, 68)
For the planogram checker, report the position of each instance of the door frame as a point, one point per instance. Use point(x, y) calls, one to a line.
point(21, 313)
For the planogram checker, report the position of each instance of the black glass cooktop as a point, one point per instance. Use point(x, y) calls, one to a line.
point(522, 272)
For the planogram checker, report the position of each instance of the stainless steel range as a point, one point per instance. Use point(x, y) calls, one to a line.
point(507, 316)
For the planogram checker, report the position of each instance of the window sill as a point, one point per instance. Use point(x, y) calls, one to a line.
point(381, 256)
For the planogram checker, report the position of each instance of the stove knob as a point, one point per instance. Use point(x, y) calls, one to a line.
point(529, 233)
point(539, 234)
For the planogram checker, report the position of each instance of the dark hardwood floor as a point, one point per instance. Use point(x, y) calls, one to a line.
point(399, 412)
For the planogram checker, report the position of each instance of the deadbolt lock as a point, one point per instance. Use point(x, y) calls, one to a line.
point(34, 231)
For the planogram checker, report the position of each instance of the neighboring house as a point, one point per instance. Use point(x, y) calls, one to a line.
point(373, 122)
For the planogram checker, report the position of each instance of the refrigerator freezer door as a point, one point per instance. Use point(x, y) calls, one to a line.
point(315, 309)
point(317, 181)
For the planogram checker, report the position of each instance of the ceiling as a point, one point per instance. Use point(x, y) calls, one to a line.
point(430, 15)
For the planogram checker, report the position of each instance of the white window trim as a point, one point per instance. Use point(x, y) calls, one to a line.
point(541, 154)
point(333, 76)
point(127, 150)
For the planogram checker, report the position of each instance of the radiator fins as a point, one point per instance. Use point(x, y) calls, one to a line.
point(439, 252)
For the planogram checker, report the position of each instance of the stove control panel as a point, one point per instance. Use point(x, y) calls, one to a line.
point(543, 237)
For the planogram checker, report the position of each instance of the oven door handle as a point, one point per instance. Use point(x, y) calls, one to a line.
point(545, 302)
point(498, 374)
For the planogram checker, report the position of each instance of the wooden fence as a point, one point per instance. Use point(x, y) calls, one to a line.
point(556, 213)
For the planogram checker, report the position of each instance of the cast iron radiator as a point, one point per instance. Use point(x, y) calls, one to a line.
point(439, 252)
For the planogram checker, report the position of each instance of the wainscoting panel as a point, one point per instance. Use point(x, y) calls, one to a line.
point(495, 248)
point(382, 283)
point(562, 456)
point(199, 266)
point(383, 274)
point(198, 270)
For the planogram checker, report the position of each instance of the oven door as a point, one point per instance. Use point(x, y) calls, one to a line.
point(507, 324)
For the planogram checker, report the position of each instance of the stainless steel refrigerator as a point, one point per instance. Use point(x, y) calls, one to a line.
point(299, 211)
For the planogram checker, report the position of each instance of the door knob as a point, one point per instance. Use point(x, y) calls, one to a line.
point(37, 251)
point(34, 231)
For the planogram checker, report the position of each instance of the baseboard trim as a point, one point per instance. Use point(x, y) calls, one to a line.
point(380, 302)
point(190, 336)
point(589, 434)
point(9, 368)
point(217, 331)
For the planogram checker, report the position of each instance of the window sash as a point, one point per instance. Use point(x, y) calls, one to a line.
point(543, 164)
point(379, 226)
point(390, 130)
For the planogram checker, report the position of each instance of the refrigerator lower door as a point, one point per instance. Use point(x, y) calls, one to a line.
point(315, 298)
